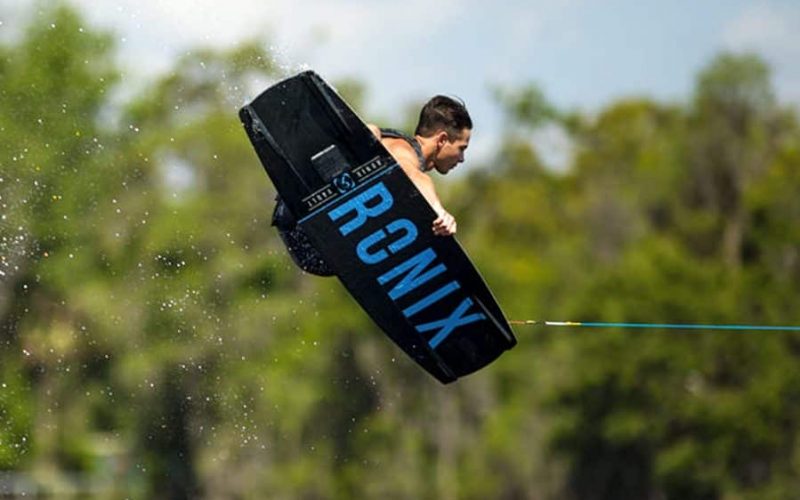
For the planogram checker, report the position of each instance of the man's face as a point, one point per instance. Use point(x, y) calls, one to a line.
point(451, 151)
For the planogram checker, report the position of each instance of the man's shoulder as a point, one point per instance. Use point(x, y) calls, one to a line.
point(396, 143)
point(402, 151)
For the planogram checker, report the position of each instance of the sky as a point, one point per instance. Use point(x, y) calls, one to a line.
point(583, 54)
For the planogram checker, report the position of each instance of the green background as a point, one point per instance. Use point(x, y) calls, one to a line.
point(157, 342)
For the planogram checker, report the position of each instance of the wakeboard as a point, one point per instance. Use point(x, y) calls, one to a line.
point(371, 224)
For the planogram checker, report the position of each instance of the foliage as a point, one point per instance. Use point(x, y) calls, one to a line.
point(156, 341)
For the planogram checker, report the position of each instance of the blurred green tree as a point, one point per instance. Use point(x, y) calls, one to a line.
point(156, 341)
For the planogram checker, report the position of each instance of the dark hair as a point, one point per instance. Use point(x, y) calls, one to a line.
point(443, 113)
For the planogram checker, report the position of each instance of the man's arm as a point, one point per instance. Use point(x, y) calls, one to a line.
point(445, 224)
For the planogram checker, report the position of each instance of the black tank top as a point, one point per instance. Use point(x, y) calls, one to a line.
point(396, 134)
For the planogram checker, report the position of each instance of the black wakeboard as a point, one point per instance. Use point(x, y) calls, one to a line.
point(364, 215)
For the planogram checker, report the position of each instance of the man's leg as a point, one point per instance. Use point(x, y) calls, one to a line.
point(297, 243)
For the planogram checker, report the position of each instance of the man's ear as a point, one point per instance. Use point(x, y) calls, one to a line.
point(442, 138)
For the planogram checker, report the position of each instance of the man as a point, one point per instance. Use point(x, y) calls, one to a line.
point(440, 140)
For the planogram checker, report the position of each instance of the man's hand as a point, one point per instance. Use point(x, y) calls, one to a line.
point(444, 225)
